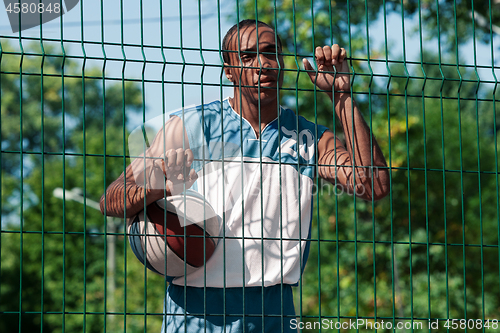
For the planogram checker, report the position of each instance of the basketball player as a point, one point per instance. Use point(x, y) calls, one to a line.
point(255, 162)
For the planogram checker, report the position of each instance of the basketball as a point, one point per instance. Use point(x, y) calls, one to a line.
point(175, 235)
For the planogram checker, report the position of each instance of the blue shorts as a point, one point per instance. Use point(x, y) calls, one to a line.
point(262, 311)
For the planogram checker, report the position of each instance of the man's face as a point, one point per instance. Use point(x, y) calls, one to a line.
point(256, 65)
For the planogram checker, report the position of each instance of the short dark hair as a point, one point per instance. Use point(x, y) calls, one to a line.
point(239, 26)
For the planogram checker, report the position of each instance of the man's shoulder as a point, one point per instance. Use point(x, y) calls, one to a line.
point(291, 121)
point(213, 107)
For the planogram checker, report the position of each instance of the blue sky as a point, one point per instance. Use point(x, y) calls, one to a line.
point(212, 30)
point(151, 35)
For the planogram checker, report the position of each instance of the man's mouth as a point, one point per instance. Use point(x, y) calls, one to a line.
point(267, 81)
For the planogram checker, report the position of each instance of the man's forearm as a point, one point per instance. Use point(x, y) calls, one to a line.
point(125, 198)
point(361, 145)
point(357, 133)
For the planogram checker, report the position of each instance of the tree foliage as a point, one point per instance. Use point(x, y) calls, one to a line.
point(390, 259)
point(456, 21)
point(72, 134)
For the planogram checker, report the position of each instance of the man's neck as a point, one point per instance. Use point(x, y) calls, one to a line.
point(250, 111)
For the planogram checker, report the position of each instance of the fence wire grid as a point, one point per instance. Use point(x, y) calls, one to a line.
point(85, 93)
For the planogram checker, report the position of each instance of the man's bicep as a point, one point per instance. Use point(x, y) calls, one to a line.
point(143, 167)
point(171, 136)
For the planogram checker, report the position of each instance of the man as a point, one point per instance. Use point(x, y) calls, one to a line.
point(255, 162)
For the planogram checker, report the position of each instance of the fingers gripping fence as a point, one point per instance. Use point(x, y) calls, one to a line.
point(334, 215)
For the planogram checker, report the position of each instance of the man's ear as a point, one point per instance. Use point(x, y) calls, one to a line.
point(227, 70)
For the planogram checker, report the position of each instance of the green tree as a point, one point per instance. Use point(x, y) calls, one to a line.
point(299, 21)
point(456, 20)
point(382, 274)
point(53, 253)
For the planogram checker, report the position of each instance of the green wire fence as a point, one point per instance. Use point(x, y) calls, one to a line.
point(424, 73)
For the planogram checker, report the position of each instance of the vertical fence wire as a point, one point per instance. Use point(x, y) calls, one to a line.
point(394, 267)
point(84, 160)
point(476, 102)
point(425, 176)
point(495, 133)
point(280, 165)
point(124, 163)
point(42, 158)
point(369, 170)
point(462, 187)
point(445, 220)
point(21, 188)
point(63, 150)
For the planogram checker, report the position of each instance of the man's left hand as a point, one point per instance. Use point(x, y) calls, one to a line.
point(330, 59)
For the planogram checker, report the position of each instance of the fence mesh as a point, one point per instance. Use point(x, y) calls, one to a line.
point(75, 89)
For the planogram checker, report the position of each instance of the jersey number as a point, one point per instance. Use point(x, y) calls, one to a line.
point(306, 143)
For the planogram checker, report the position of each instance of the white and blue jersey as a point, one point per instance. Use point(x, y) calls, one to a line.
point(262, 190)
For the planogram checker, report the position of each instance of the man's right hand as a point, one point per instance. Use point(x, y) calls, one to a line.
point(176, 166)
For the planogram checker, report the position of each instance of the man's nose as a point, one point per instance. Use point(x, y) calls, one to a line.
point(264, 63)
